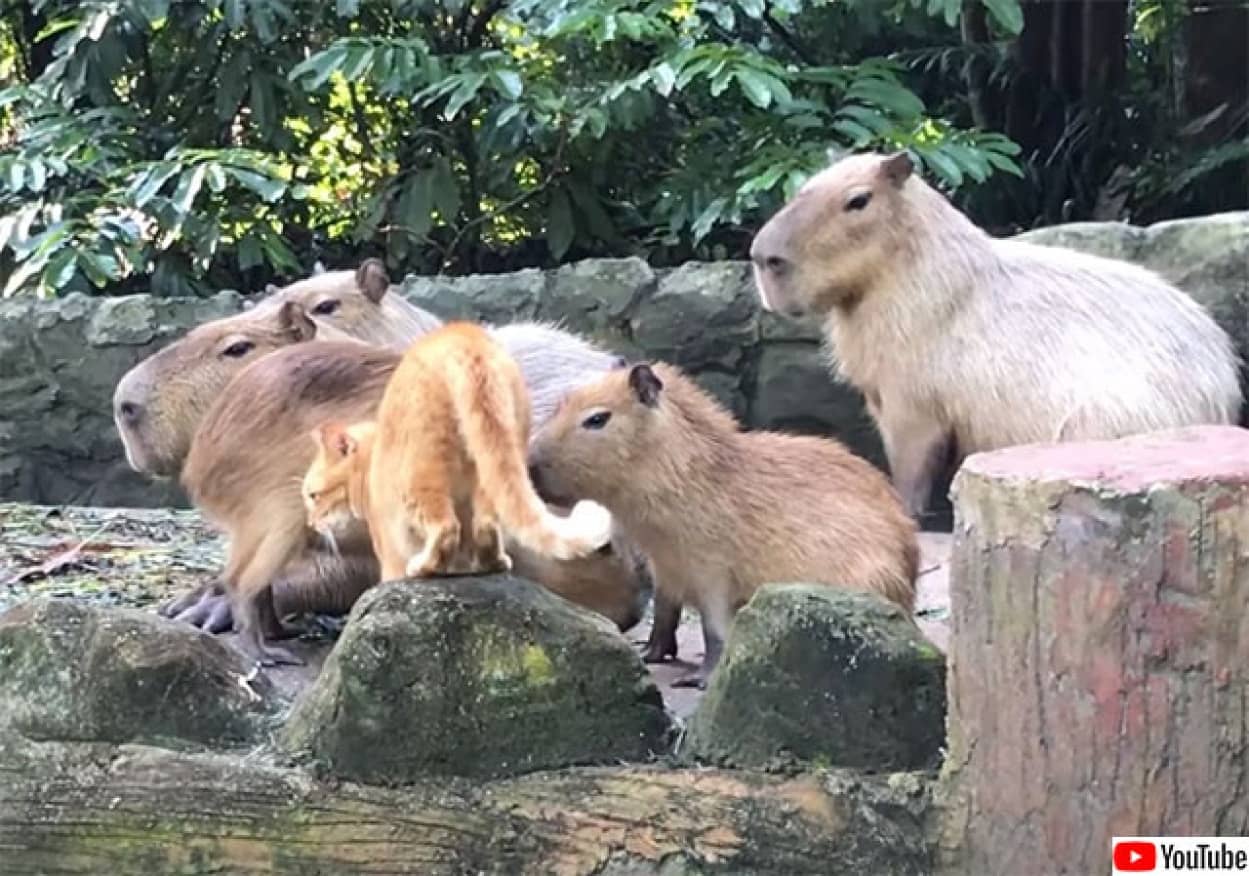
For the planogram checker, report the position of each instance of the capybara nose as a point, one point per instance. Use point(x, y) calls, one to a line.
point(129, 413)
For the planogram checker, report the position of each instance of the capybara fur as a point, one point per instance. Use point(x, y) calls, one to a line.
point(961, 342)
point(244, 472)
point(720, 511)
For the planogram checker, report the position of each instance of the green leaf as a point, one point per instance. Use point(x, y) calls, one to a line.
point(38, 175)
point(947, 169)
point(752, 8)
point(702, 226)
point(508, 83)
point(99, 268)
point(234, 12)
point(416, 201)
point(559, 227)
point(188, 187)
point(467, 90)
point(249, 253)
point(1007, 14)
point(664, 78)
point(444, 191)
point(60, 269)
point(724, 16)
point(347, 8)
point(7, 224)
point(17, 172)
point(755, 87)
point(216, 177)
point(320, 67)
point(269, 189)
point(262, 104)
point(152, 181)
point(20, 276)
point(356, 64)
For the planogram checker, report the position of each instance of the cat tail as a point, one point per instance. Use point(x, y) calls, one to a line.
point(486, 412)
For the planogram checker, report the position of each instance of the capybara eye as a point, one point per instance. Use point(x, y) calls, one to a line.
point(326, 307)
point(596, 421)
point(238, 349)
point(859, 201)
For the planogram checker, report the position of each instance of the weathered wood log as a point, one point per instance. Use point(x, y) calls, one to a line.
point(93, 808)
point(1099, 661)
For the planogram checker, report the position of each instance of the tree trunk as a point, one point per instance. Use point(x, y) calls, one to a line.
point(1099, 660)
point(91, 809)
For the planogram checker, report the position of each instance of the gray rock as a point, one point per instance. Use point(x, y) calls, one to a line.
point(702, 315)
point(73, 672)
point(794, 393)
point(596, 295)
point(478, 677)
point(823, 676)
point(494, 298)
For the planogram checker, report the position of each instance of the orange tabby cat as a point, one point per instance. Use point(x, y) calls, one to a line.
point(445, 459)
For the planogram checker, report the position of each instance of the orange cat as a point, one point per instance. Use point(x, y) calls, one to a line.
point(443, 466)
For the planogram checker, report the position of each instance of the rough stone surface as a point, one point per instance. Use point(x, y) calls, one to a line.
point(479, 677)
point(1099, 657)
point(74, 672)
point(59, 360)
point(824, 676)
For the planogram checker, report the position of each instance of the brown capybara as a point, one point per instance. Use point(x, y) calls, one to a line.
point(244, 471)
point(961, 342)
point(720, 511)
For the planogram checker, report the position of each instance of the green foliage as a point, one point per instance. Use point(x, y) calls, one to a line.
point(205, 143)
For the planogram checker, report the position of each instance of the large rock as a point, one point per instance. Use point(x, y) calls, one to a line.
point(74, 672)
point(1100, 651)
point(478, 677)
point(60, 359)
point(826, 676)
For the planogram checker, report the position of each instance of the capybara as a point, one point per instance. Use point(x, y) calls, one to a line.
point(244, 471)
point(720, 511)
point(961, 342)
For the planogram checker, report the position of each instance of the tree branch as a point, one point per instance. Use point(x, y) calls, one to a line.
point(788, 38)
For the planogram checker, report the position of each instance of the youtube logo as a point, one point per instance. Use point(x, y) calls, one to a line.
point(1135, 856)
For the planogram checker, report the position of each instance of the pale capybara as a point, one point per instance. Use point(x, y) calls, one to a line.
point(720, 511)
point(961, 342)
point(244, 470)
point(160, 403)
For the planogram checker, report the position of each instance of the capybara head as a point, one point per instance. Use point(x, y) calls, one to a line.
point(839, 234)
point(326, 488)
point(159, 403)
point(602, 432)
point(355, 304)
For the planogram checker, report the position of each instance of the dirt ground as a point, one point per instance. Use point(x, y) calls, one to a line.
point(139, 558)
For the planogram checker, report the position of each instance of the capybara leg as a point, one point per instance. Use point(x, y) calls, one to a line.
point(662, 643)
point(716, 618)
point(181, 604)
point(250, 575)
point(252, 640)
point(916, 447)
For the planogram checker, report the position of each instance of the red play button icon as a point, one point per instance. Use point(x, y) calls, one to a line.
point(1134, 856)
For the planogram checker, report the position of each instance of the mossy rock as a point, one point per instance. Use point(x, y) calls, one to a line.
point(480, 677)
point(83, 673)
point(827, 677)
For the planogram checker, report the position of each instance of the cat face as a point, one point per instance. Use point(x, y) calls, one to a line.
point(341, 460)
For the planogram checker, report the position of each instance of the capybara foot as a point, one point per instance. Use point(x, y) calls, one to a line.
point(659, 648)
point(181, 604)
point(257, 649)
point(211, 614)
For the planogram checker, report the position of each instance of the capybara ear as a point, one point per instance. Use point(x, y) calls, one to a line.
point(372, 279)
point(897, 167)
point(294, 322)
point(645, 384)
point(620, 362)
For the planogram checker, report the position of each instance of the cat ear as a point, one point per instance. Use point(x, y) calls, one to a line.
point(334, 439)
point(645, 384)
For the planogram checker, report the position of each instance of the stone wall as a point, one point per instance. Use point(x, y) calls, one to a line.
point(59, 360)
